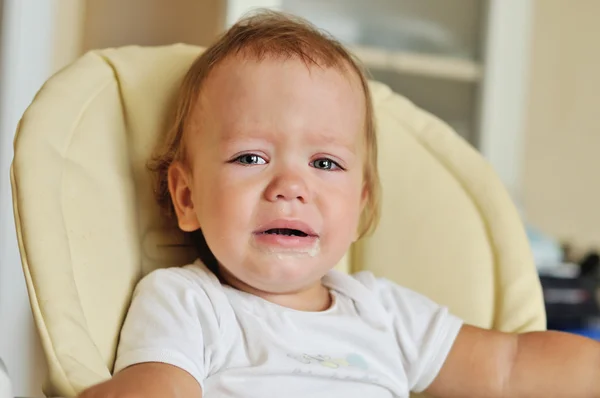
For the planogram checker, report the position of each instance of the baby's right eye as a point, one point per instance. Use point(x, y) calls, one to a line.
point(250, 159)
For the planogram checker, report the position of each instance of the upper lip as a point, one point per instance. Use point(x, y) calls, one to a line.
point(287, 224)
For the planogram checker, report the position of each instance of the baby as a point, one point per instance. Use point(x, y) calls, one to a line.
point(273, 157)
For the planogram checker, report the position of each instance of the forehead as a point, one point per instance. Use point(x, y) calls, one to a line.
point(247, 97)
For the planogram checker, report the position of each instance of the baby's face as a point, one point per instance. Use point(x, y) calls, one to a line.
point(276, 153)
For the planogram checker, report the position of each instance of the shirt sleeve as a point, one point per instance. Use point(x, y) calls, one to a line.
point(425, 332)
point(167, 322)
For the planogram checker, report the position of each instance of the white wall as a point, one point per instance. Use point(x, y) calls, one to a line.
point(504, 90)
point(37, 39)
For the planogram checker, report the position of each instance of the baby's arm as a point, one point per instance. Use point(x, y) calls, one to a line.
point(147, 380)
point(486, 363)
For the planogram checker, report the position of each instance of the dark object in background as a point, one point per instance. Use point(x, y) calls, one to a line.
point(590, 265)
point(570, 302)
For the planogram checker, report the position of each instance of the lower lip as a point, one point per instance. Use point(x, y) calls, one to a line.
point(286, 242)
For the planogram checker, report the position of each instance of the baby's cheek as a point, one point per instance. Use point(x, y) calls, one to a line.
point(344, 216)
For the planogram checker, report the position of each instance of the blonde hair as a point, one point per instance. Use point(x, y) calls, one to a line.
point(274, 35)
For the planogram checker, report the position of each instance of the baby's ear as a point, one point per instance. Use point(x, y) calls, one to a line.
point(180, 187)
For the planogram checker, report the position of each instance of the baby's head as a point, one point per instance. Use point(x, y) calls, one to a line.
point(272, 154)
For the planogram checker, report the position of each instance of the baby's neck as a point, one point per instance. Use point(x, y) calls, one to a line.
point(315, 299)
point(312, 299)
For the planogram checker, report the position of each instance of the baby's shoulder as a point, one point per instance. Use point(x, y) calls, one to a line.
point(363, 283)
point(191, 288)
point(192, 276)
point(366, 287)
point(382, 286)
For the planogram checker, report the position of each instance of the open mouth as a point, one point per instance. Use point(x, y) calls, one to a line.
point(287, 236)
point(285, 232)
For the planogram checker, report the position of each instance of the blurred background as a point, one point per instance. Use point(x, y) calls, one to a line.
point(518, 79)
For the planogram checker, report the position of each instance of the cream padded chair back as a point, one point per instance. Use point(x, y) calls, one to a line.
point(88, 227)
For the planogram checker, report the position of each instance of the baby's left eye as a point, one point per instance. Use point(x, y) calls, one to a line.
point(325, 164)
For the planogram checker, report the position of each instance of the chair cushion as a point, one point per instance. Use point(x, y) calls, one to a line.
point(449, 228)
point(89, 228)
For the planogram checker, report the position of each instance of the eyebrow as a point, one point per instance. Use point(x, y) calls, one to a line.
point(333, 139)
point(315, 138)
point(228, 138)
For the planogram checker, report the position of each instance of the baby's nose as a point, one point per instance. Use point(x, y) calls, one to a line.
point(288, 186)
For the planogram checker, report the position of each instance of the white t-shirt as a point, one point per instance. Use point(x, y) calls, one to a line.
point(376, 340)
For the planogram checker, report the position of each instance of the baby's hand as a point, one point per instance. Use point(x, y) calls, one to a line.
point(147, 380)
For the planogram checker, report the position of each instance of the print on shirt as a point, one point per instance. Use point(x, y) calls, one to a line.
point(353, 360)
point(335, 367)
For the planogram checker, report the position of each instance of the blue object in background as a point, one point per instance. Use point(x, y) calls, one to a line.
point(589, 333)
point(547, 252)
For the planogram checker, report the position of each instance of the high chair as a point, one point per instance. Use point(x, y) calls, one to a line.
point(89, 229)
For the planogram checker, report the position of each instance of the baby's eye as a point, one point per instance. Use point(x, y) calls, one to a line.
point(250, 159)
point(325, 164)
